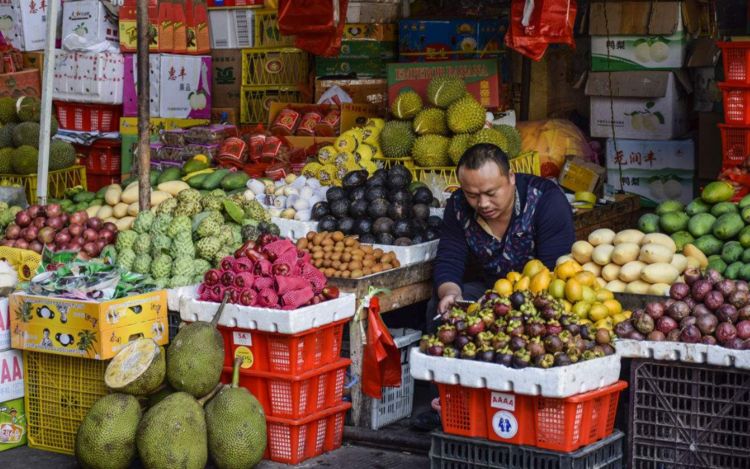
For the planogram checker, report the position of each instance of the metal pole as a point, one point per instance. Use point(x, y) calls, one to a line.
point(144, 147)
point(53, 8)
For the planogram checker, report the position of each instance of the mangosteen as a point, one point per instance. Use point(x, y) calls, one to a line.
point(521, 359)
point(574, 329)
point(603, 336)
point(422, 195)
point(402, 229)
point(430, 234)
point(354, 179)
point(460, 341)
point(504, 357)
point(402, 242)
point(517, 299)
point(517, 343)
point(376, 192)
point(363, 226)
point(378, 208)
point(335, 193)
point(385, 238)
point(420, 211)
point(346, 225)
point(399, 211)
point(535, 347)
point(339, 208)
point(469, 351)
point(367, 238)
point(358, 208)
point(319, 210)
point(624, 328)
point(553, 344)
point(450, 352)
point(328, 223)
point(434, 222)
point(485, 354)
point(562, 359)
point(586, 332)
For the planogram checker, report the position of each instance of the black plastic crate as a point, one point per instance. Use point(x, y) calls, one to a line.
point(454, 452)
point(686, 415)
point(173, 317)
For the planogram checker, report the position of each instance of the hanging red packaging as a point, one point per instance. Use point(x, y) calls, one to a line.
point(233, 151)
point(271, 148)
point(255, 148)
point(535, 25)
point(316, 24)
point(309, 123)
point(286, 122)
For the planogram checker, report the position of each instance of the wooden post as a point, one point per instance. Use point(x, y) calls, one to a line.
point(144, 145)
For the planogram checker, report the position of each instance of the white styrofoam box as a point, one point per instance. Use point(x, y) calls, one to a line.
point(4, 325)
point(271, 320)
point(89, 77)
point(437, 212)
point(231, 28)
point(559, 381)
point(90, 20)
point(129, 93)
point(294, 229)
point(379, 11)
point(414, 254)
point(185, 86)
point(23, 23)
point(175, 296)
point(686, 353)
point(11, 375)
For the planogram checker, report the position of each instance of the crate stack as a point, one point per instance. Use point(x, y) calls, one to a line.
point(735, 132)
point(12, 412)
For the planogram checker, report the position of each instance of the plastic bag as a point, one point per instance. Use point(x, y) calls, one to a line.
point(534, 24)
point(316, 24)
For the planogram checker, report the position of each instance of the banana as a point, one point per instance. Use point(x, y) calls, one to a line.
point(587, 197)
point(202, 171)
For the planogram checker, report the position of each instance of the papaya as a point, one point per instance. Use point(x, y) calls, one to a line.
point(193, 165)
point(214, 179)
point(717, 191)
point(233, 181)
point(169, 174)
point(196, 182)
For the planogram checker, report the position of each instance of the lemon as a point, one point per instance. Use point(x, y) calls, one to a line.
point(522, 284)
point(532, 268)
point(513, 277)
point(503, 287)
point(598, 312)
point(573, 290)
point(588, 294)
point(603, 294)
point(581, 309)
point(605, 323)
point(567, 269)
point(613, 306)
point(557, 288)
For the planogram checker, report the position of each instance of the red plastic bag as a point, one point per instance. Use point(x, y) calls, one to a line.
point(381, 361)
point(534, 24)
point(316, 24)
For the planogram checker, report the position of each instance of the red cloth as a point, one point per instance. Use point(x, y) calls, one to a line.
point(381, 363)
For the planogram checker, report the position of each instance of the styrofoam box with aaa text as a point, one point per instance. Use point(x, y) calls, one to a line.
point(559, 381)
point(4, 325)
point(686, 353)
point(11, 375)
point(271, 320)
point(175, 295)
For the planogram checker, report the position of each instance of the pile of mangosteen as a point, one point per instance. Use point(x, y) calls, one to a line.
point(386, 208)
point(705, 309)
point(520, 331)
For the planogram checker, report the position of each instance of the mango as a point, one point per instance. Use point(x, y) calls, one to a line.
point(723, 207)
point(717, 191)
point(669, 206)
point(697, 206)
point(649, 223)
point(573, 290)
point(727, 226)
point(532, 267)
point(673, 222)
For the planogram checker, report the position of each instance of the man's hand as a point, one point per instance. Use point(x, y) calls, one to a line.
point(447, 302)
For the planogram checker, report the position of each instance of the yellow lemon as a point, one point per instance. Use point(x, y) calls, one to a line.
point(522, 284)
point(604, 294)
point(613, 306)
point(588, 294)
point(605, 323)
point(567, 306)
point(567, 269)
point(573, 290)
point(513, 277)
point(598, 312)
point(585, 278)
point(628, 314)
point(532, 268)
point(557, 288)
point(540, 281)
point(503, 287)
point(618, 318)
point(581, 309)
point(585, 322)
point(472, 308)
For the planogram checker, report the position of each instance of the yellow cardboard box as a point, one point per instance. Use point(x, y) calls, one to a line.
point(86, 328)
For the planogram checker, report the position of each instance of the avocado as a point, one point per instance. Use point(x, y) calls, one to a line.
point(399, 211)
point(417, 239)
point(327, 223)
point(339, 208)
point(363, 226)
point(378, 208)
point(400, 171)
point(382, 225)
point(414, 185)
point(431, 234)
point(397, 181)
point(402, 242)
point(385, 238)
point(346, 225)
point(400, 195)
point(335, 193)
point(434, 222)
point(367, 238)
point(421, 212)
point(357, 193)
point(319, 210)
point(358, 208)
point(354, 179)
point(402, 229)
point(380, 173)
point(375, 192)
point(376, 181)
point(422, 195)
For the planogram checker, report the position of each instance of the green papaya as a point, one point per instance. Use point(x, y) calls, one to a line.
point(196, 182)
point(233, 181)
point(169, 174)
point(193, 165)
point(214, 179)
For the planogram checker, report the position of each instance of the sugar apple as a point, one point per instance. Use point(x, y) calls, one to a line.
point(125, 259)
point(161, 267)
point(142, 264)
point(180, 224)
point(142, 244)
point(183, 267)
point(125, 240)
point(208, 247)
point(143, 222)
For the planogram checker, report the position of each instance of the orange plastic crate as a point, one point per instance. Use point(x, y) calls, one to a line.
point(735, 142)
point(283, 354)
point(736, 103)
point(294, 441)
point(736, 58)
point(298, 396)
point(551, 423)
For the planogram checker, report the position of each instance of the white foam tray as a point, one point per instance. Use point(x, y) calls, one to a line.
point(682, 352)
point(294, 229)
point(437, 212)
point(271, 320)
point(414, 254)
point(561, 381)
point(175, 295)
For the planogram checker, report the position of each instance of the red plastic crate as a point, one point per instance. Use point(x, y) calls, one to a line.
point(94, 182)
point(295, 397)
point(736, 58)
point(283, 354)
point(736, 103)
point(294, 441)
point(735, 143)
point(88, 117)
point(556, 424)
point(101, 157)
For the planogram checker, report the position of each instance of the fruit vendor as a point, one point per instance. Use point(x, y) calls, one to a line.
point(496, 223)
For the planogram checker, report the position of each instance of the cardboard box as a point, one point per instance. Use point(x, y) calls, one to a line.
point(11, 375)
point(632, 35)
point(368, 50)
point(481, 77)
point(227, 79)
point(222, 115)
point(12, 424)
point(379, 11)
point(198, 28)
point(34, 60)
point(369, 91)
point(89, 77)
point(579, 175)
point(387, 32)
point(87, 329)
point(130, 84)
point(23, 83)
point(4, 325)
point(231, 29)
point(701, 63)
point(427, 40)
point(90, 20)
point(128, 31)
point(644, 105)
point(656, 170)
point(23, 23)
point(361, 68)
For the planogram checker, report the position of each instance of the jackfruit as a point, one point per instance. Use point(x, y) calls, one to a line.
point(396, 139)
point(61, 155)
point(445, 90)
point(431, 150)
point(513, 138)
point(406, 105)
point(490, 136)
point(430, 121)
point(196, 356)
point(6, 160)
point(236, 426)
point(172, 434)
point(458, 146)
point(29, 109)
point(6, 135)
point(466, 115)
point(8, 110)
point(25, 159)
point(138, 369)
point(106, 438)
point(26, 133)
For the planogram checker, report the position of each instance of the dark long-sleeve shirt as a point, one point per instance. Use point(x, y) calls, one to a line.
point(541, 227)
